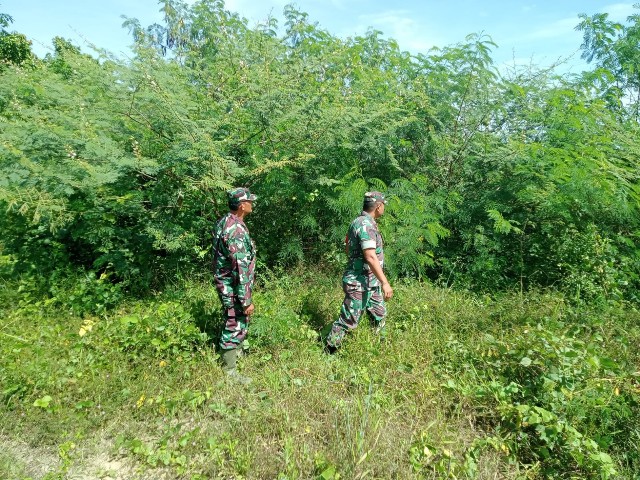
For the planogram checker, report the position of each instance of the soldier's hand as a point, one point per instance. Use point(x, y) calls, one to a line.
point(387, 291)
point(248, 310)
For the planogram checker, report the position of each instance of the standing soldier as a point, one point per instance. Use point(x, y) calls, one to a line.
point(234, 263)
point(364, 283)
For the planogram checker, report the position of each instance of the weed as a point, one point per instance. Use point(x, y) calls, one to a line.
point(464, 386)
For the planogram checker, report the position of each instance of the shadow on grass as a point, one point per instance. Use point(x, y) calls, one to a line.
point(208, 320)
point(316, 313)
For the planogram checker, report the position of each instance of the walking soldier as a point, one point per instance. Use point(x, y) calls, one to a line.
point(364, 283)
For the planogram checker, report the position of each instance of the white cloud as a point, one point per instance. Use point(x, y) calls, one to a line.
point(399, 25)
point(618, 12)
point(234, 5)
point(393, 18)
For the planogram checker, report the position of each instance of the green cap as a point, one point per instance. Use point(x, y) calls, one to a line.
point(238, 195)
point(371, 198)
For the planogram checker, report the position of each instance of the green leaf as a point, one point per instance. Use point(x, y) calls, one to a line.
point(329, 473)
point(129, 320)
point(43, 402)
point(525, 362)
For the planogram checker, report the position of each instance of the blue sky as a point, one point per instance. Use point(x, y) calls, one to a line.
point(527, 32)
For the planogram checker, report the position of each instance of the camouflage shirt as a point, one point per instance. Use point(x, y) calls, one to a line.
point(363, 234)
point(234, 259)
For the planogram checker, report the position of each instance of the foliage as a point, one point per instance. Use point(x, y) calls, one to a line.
point(545, 383)
point(496, 179)
point(112, 174)
point(518, 385)
point(613, 47)
point(14, 47)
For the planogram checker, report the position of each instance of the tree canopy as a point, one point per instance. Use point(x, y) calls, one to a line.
point(495, 179)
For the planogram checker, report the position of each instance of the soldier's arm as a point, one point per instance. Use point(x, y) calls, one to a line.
point(372, 260)
point(368, 245)
point(241, 266)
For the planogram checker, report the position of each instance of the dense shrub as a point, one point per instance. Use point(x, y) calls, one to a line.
point(495, 179)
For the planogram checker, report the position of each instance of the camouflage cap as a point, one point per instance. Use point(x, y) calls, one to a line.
point(238, 195)
point(374, 197)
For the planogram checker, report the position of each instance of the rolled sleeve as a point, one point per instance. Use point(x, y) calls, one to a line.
point(367, 244)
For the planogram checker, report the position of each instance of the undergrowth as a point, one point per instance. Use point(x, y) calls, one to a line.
point(462, 386)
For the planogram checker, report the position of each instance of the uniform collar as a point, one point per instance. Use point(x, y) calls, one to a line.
point(367, 214)
point(236, 218)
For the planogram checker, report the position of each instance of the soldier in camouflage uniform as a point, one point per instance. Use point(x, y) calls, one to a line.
point(364, 283)
point(234, 263)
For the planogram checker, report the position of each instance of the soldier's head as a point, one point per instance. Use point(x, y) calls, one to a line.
point(241, 201)
point(374, 203)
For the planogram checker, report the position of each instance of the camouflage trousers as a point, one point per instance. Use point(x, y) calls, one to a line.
point(236, 323)
point(356, 300)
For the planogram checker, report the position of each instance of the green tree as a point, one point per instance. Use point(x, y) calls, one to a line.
point(494, 180)
point(15, 48)
point(613, 47)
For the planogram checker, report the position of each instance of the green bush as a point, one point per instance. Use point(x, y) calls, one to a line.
point(552, 399)
point(164, 330)
point(86, 293)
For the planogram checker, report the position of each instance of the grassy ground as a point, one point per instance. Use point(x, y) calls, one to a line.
point(463, 386)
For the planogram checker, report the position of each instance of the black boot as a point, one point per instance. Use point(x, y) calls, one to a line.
point(330, 349)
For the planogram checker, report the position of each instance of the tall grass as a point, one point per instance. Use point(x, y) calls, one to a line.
point(463, 386)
